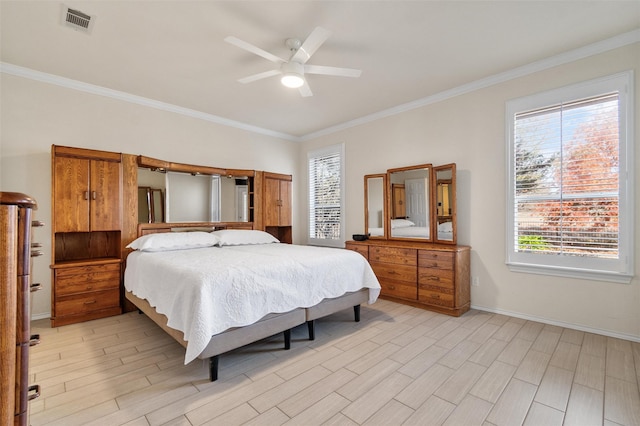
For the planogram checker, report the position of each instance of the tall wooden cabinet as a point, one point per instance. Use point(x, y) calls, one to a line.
point(432, 276)
point(277, 206)
point(15, 313)
point(87, 194)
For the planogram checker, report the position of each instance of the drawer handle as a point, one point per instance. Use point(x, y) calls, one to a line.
point(35, 287)
point(435, 296)
point(392, 272)
point(89, 287)
point(94, 195)
point(34, 340)
point(36, 253)
point(37, 223)
point(36, 389)
point(90, 302)
point(36, 245)
point(392, 287)
point(434, 278)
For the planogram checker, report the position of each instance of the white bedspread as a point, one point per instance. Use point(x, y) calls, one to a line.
point(208, 290)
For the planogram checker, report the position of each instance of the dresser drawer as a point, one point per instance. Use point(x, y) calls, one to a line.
point(436, 298)
point(435, 259)
point(362, 249)
point(87, 302)
point(395, 272)
point(398, 289)
point(84, 282)
point(396, 255)
point(435, 277)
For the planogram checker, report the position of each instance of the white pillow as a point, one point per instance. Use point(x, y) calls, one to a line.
point(445, 227)
point(174, 241)
point(236, 237)
point(401, 223)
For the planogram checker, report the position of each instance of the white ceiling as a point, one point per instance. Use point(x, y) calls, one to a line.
point(173, 51)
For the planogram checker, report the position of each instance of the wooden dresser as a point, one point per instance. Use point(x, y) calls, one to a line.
point(15, 313)
point(432, 276)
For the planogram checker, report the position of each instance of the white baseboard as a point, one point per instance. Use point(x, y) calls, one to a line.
point(608, 333)
point(45, 315)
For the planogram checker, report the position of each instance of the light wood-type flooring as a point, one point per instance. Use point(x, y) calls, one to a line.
point(399, 365)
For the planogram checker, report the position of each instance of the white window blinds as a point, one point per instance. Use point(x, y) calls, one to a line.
point(570, 181)
point(567, 167)
point(325, 196)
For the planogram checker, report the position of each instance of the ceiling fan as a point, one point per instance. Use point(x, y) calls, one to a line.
point(294, 69)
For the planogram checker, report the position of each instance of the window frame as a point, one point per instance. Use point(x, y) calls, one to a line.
point(316, 154)
point(620, 270)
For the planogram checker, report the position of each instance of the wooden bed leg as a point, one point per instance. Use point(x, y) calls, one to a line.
point(356, 313)
point(213, 368)
point(312, 331)
point(287, 339)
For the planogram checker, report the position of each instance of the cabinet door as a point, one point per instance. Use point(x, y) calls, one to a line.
point(285, 203)
point(71, 194)
point(271, 202)
point(105, 195)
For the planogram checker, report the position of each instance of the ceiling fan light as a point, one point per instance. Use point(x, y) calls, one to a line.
point(292, 80)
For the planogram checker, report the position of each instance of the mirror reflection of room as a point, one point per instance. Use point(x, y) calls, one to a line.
point(410, 203)
point(445, 202)
point(165, 196)
point(375, 206)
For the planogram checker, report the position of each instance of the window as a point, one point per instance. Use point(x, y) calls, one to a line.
point(570, 173)
point(326, 177)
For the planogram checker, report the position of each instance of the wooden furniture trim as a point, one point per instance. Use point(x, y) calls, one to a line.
point(67, 151)
point(278, 176)
point(155, 164)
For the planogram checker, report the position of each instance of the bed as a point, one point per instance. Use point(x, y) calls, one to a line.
point(217, 291)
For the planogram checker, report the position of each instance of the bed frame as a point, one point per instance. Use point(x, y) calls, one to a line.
point(267, 326)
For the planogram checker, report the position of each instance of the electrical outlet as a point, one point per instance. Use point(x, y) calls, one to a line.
point(475, 281)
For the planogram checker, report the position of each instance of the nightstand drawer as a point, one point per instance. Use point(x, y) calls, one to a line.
point(87, 302)
point(84, 282)
point(76, 270)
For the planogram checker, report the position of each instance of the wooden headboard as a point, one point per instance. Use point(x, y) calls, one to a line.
point(153, 228)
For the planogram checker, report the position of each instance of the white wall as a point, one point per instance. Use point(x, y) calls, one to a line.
point(470, 131)
point(35, 115)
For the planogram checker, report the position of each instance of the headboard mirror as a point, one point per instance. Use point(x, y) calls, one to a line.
point(374, 205)
point(169, 192)
point(409, 202)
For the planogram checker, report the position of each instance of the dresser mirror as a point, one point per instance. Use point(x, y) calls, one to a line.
point(409, 203)
point(191, 197)
point(374, 205)
point(445, 203)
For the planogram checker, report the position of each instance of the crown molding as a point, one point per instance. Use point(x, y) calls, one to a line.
point(554, 61)
point(68, 83)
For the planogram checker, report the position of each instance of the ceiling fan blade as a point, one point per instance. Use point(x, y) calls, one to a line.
point(259, 76)
point(341, 72)
point(318, 36)
point(253, 49)
point(305, 90)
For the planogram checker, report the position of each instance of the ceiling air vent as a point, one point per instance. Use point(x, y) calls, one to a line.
point(77, 20)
